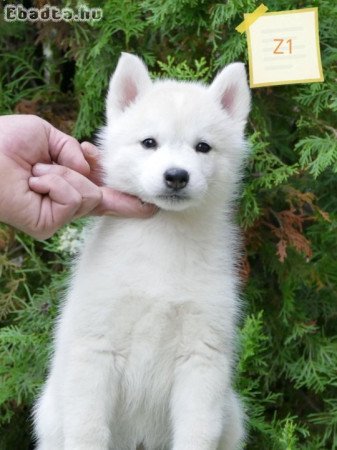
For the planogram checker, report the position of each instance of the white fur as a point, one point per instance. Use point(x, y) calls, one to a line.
point(144, 346)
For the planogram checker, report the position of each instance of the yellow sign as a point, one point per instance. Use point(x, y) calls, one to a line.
point(283, 47)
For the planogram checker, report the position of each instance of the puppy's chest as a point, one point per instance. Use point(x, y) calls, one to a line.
point(154, 261)
point(150, 340)
point(147, 291)
point(147, 331)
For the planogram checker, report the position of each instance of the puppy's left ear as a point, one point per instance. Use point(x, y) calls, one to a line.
point(231, 89)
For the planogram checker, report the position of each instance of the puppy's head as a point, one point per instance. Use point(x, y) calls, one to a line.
point(174, 144)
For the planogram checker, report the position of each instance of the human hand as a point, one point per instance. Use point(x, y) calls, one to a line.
point(47, 179)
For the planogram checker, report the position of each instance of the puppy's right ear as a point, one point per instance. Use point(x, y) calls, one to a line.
point(130, 79)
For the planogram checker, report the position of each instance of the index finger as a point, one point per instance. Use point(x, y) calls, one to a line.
point(66, 150)
point(92, 155)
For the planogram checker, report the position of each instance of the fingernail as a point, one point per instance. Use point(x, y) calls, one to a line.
point(92, 153)
point(150, 208)
point(90, 150)
point(40, 168)
point(33, 179)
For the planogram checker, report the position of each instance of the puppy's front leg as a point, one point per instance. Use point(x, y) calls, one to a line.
point(198, 403)
point(89, 397)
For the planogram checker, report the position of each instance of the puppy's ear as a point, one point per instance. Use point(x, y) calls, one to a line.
point(231, 89)
point(130, 79)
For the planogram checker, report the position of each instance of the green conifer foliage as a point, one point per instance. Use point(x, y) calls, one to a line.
point(287, 364)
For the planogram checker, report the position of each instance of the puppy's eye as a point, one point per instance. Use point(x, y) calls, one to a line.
point(203, 147)
point(149, 143)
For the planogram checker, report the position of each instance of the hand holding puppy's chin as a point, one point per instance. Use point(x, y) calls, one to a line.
point(116, 203)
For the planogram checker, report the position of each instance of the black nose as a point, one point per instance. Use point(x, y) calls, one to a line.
point(176, 178)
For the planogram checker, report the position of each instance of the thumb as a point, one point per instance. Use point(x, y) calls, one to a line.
point(125, 205)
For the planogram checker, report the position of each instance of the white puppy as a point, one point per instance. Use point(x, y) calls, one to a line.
point(144, 347)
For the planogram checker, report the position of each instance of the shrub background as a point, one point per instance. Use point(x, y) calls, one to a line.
point(287, 370)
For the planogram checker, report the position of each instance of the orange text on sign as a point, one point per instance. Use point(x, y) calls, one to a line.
point(278, 50)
